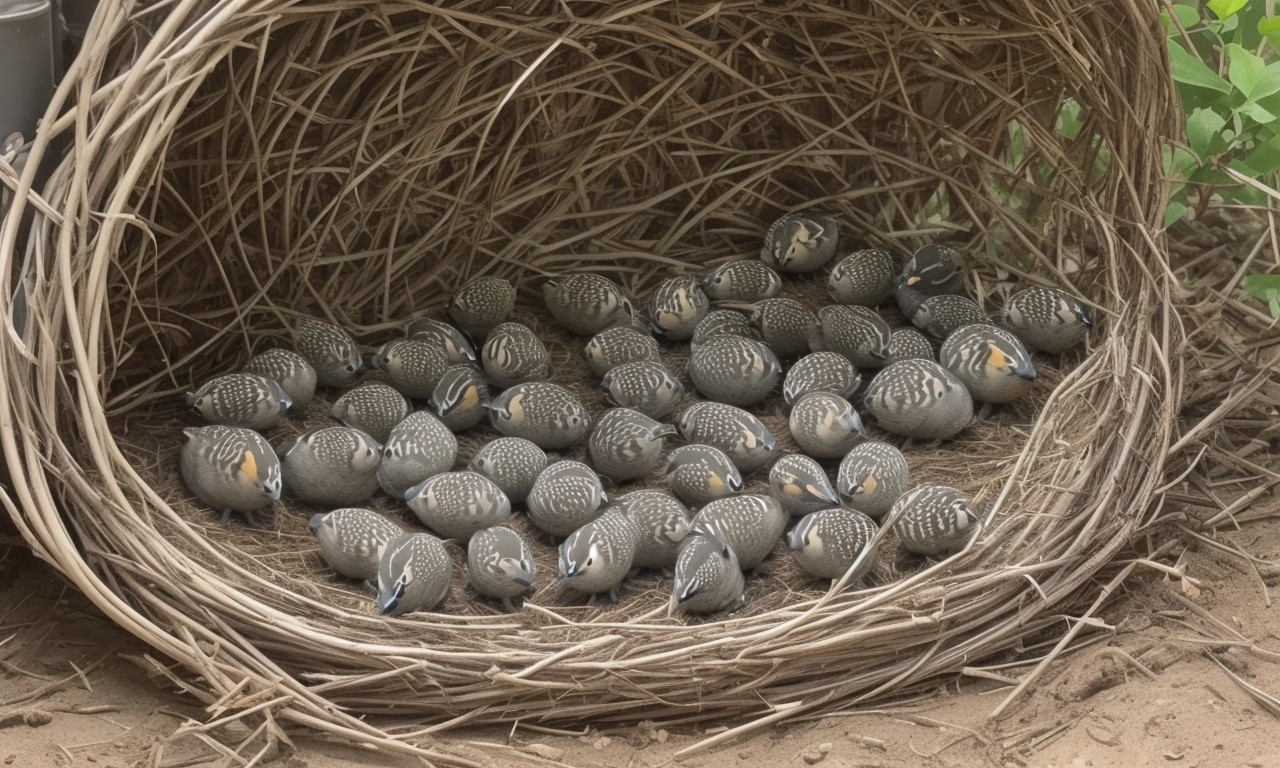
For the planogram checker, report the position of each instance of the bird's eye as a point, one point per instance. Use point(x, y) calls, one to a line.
point(590, 560)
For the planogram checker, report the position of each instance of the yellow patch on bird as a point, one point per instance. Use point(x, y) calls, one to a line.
point(913, 280)
point(516, 409)
point(996, 358)
point(470, 398)
point(715, 483)
point(249, 467)
point(668, 320)
point(791, 489)
point(815, 547)
point(869, 484)
point(685, 304)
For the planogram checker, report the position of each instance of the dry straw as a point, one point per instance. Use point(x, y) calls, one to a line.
point(230, 165)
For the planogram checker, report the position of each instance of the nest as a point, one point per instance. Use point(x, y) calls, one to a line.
point(231, 166)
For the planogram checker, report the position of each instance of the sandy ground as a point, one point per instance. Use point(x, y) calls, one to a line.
point(1152, 688)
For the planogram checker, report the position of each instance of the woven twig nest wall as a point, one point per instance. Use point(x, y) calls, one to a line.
point(232, 166)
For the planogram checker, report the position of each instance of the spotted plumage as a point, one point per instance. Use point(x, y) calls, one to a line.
point(586, 303)
point(938, 316)
point(1046, 319)
point(500, 565)
point(626, 445)
point(419, 447)
point(708, 577)
point(855, 332)
point(331, 467)
point(547, 414)
point(411, 366)
point(784, 325)
point(675, 308)
point(564, 497)
point(596, 557)
point(745, 280)
point(820, 372)
point(513, 354)
point(909, 344)
point(801, 485)
point(645, 385)
point(614, 346)
point(871, 477)
point(734, 370)
point(825, 426)
point(449, 340)
point(721, 322)
point(513, 463)
point(288, 369)
point(919, 399)
point(460, 398)
point(933, 519)
point(991, 362)
point(413, 575)
point(352, 540)
point(481, 304)
point(933, 270)
point(743, 437)
point(330, 350)
point(663, 523)
point(749, 523)
point(240, 400)
point(828, 542)
point(865, 277)
point(801, 241)
point(699, 473)
point(231, 469)
point(373, 408)
point(457, 504)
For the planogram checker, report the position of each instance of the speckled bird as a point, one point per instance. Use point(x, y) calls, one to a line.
point(663, 522)
point(419, 447)
point(645, 385)
point(991, 362)
point(331, 467)
point(513, 463)
point(240, 400)
point(745, 280)
point(373, 408)
point(449, 340)
point(909, 344)
point(722, 322)
point(513, 354)
point(855, 332)
point(457, 504)
point(482, 304)
point(750, 523)
point(413, 367)
point(1046, 319)
point(933, 519)
point(547, 414)
point(825, 426)
point(330, 350)
point(784, 325)
point(564, 497)
point(288, 369)
point(626, 445)
point(352, 540)
point(801, 485)
point(413, 575)
point(828, 542)
point(734, 370)
point(231, 469)
point(614, 346)
point(461, 397)
point(938, 316)
point(700, 473)
point(801, 241)
point(708, 577)
point(871, 477)
point(919, 399)
point(595, 558)
point(933, 270)
point(675, 308)
point(865, 277)
point(586, 303)
point(500, 565)
point(743, 437)
point(820, 372)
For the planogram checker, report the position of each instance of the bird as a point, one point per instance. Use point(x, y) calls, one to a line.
point(330, 350)
point(699, 473)
point(614, 346)
point(565, 496)
point(663, 522)
point(933, 270)
point(865, 277)
point(708, 577)
point(1046, 319)
point(288, 369)
point(743, 437)
point(626, 444)
point(457, 504)
point(856, 332)
point(513, 354)
point(512, 463)
point(373, 408)
point(721, 322)
point(644, 385)
point(481, 304)
point(419, 447)
point(675, 307)
point(500, 565)
point(825, 426)
point(938, 316)
point(411, 366)
point(909, 344)
point(749, 523)
point(352, 540)
point(820, 372)
point(871, 477)
point(919, 399)
point(734, 370)
point(452, 342)
point(801, 241)
point(331, 466)
point(742, 280)
point(990, 361)
point(586, 303)
point(826, 543)
point(784, 325)
point(413, 574)
point(240, 400)
point(801, 485)
point(933, 519)
point(460, 397)
point(232, 469)
point(544, 413)
point(596, 557)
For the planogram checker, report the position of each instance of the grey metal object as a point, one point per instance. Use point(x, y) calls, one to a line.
point(26, 50)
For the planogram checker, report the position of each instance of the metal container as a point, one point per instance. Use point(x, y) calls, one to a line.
point(26, 59)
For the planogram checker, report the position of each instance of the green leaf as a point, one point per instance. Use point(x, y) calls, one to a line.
point(1174, 212)
point(1244, 68)
point(1187, 15)
point(1190, 70)
point(1262, 160)
point(1203, 126)
point(1268, 82)
point(1270, 29)
point(1225, 9)
point(1257, 113)
point(1069, 119)
point(1264, 288)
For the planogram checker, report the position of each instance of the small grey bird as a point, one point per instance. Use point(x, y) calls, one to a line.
point(626, 445)
point(820, 372)
point(544, 413)
point(855, 332)
point(564, 497)
point(865, 277)
point(481, 304)
point(413, 575)
point(933, 519)
point(919, 399)
point(938, 316)
point(597, 557)
point(413, 367)
point(750, 523)
point(513, 354)
point(721, 322)
point(500, 565)
point(419, 447)
point(825, 426)
point(933, 270)
point(460, 398)
point(801, 241)
point(449, 340)
point(1046, 319)
point(784, 325)
point(663, 522)
point(240, 400)
point(352, 540)
point(675, 308)
point(990, 361)
point(699, 473)
point(231, 469)
point(457, 504)
point(373, 408)
point(734, 370)
point(708, 576)
point(828, 542)
point(288, 369)
point(644, 385)
point(743, 437)
point(909, 344)
point(801, 485)
point(614, 346)
point(745, 280)
point(331, 467)
point(587, 303)
point(330, 350)
point(871, 478)
point(512, 463)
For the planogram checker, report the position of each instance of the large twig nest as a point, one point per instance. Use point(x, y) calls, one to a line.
point(235, 164)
